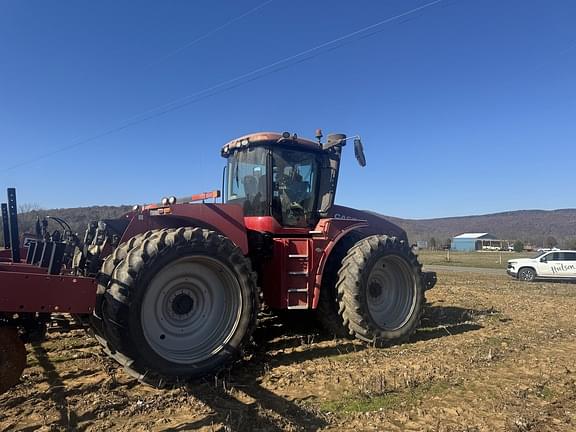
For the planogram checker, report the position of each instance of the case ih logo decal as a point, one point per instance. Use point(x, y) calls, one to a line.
point(342, 216)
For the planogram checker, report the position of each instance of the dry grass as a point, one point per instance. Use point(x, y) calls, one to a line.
point(470, 259)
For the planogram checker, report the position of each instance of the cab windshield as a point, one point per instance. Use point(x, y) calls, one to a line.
point(288, 196)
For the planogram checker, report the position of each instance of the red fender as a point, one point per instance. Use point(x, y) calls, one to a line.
point(225, 219)
point(334, 230)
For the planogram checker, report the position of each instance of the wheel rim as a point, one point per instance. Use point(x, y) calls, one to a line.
point(527, 275)
point(191, 309)
point(391, 292)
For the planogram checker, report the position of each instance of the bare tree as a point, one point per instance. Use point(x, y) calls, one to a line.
point(550, 242)
point(28, 207)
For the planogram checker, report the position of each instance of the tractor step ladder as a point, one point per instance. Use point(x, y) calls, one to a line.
point(297, 273)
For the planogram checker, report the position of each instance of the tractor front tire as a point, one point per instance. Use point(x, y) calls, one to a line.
point(380, 290)
point(181, 305)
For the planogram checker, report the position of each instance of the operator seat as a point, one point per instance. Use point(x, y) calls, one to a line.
point(250, 191)
point(298, 189)
point(250, 185)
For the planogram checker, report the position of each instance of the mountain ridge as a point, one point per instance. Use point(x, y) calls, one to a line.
point(532, 226)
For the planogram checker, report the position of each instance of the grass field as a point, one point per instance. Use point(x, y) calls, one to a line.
point(470, 259)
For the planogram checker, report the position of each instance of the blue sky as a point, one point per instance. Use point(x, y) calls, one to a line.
point(464, 107)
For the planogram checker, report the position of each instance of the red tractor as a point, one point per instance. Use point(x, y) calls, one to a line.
point(172, 290)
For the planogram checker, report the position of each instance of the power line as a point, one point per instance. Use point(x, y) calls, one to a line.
point(288, 59)
point(565, 51)
point(208, 34)
point(230, 84)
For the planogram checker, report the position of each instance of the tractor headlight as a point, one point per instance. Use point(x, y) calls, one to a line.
point(172, 200)
point(164, 201)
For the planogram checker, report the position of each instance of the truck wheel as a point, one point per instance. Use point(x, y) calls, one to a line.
point(181, 305)
point(327, 310)
point(527, 274)
point(105, 275)
point(381, 291)
point(12, 358)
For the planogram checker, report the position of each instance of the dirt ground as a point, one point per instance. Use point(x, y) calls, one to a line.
point(493, 354)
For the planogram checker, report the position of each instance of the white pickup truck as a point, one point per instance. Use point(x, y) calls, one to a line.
point(554, 264)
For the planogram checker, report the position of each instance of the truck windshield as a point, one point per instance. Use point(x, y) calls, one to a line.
point(294, 183)
point(247, 184)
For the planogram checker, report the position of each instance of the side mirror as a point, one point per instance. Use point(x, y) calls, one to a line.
point(359, 152)
point(543, 259)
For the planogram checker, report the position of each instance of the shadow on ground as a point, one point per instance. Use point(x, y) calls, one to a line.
point(57, 391)
point(268, 412)
point(276, 338)
point(443, 321)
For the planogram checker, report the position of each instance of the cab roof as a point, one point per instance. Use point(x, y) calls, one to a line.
point(273, 138)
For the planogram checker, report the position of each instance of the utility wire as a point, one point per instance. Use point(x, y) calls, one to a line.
point(271, 66)
point(565, 51)
point(229, 84)
point(208, 34)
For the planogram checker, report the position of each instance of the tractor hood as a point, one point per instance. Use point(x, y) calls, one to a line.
point(377, 224)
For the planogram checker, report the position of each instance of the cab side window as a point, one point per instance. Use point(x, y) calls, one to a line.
point(247, 181)
point(569, 256)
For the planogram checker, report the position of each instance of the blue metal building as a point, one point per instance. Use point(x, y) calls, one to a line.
point(470, 241)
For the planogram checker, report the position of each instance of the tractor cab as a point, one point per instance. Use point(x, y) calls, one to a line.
point(283, 176)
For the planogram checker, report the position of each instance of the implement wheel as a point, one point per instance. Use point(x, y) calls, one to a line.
point(181, 305)
point(380, 290)
point(12, 358)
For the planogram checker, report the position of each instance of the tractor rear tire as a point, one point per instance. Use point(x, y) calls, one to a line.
point(12, 358)
point(380, 290)
point(104, 277)
point(327, 310)
point(181, 305)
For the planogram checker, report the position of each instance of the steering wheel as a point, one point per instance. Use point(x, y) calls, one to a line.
point(296, 210)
